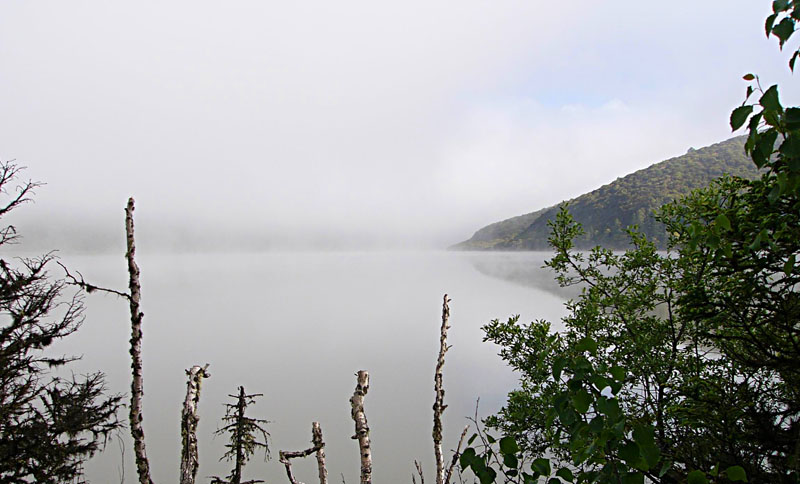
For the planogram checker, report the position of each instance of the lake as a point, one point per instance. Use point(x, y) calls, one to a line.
point(296, 326)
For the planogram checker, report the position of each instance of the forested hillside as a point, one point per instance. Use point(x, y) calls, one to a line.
point(631, 200)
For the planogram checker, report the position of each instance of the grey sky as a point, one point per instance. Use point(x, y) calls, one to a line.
point(411, 122)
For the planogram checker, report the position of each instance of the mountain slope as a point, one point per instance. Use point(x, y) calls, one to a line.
point(630, 200)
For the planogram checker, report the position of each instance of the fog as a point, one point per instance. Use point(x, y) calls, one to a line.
point(278, 124)
point(296, 327)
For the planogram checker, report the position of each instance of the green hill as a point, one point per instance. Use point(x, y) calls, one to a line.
point(630, 200)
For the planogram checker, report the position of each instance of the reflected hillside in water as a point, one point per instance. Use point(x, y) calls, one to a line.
point(521, 268)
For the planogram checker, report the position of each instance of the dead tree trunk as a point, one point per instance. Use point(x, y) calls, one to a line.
point(137, 387)
point(316, 432)
point(362, 429)
point(189, 419)
point(438, 405)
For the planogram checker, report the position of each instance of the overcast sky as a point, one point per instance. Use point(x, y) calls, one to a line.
point(410, 122)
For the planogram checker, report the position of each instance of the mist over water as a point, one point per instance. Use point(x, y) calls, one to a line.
point(296, 327)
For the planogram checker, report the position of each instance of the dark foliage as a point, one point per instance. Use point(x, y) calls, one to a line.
point(49, 425)
point(246, 435)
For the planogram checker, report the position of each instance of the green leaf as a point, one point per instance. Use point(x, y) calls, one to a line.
point(597, 423)
point(472, 439)
point(491, 439)
point(753, 124)
point(766, 143)
point(587, 344)
point(788, 266)
point(740, 115)
point(477, 465)
point(633, 478)
point(780, 5)
point(582, 400)
point(793, 59)
point(487, 476)
point(510, 461)
point(772, 196)
point(609, 407)
point(554, 480)
point(542, 466)
point(783, 30)
point(566, 474)
point(769, 100)
point(644, 435)
point(792, 118)
point(558, 366)
point(630, 453)
point(618, 373)
point(664, 468)
point(736, 473)
point(722, 222)
point(697, 477)
point(508, 445)
point(466, 457)
point(769, 23)
point(713, 241)
point(748, 77)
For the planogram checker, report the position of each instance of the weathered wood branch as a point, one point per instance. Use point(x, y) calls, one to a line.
point(189, 419)
point(419, 472)
point(316, 433)
point(438, 404)
point(456, 455)
point(137, 385)
point(90, 288)
point(288, 465)
point(362, 428)
point(318, 447)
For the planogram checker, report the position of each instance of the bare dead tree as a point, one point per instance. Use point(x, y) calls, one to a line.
point(317, 447)
point(362, 429)
point(137, 384)
point(9, 171)
point(316, 432)
point(244, 434)
point(189, 419)
point(438, 404)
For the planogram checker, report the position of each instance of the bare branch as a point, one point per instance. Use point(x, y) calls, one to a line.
point(456, 454)
point(90, 288)
point(8, 172)
point(419, 471)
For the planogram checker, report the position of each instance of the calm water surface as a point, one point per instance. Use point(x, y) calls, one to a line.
point(296, 327)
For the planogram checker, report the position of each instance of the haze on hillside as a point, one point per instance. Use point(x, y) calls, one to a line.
point(409, 124)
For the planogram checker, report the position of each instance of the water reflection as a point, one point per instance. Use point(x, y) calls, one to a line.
point(523, 268)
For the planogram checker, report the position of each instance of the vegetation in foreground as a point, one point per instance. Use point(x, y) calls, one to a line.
point(673, 368)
